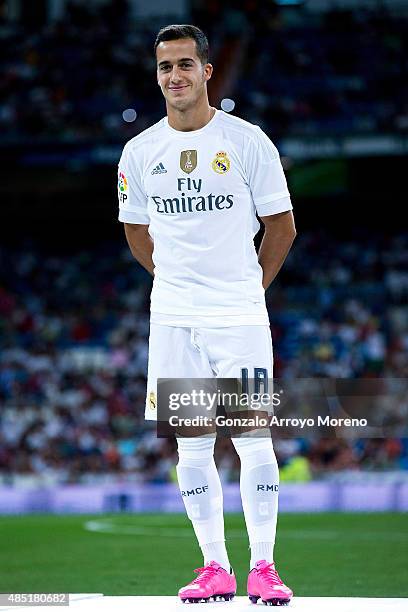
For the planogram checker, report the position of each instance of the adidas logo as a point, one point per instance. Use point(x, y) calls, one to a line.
point(160, 169)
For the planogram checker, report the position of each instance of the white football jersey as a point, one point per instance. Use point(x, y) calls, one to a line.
point(199, 192)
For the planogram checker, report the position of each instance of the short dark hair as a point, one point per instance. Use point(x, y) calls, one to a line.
point(174, 32)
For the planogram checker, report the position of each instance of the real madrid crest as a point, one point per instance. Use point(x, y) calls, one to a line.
point(188, 161)
point(221, 164)
point(152, 400)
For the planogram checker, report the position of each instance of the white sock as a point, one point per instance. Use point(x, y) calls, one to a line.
point(216, 551)
point(259, 485)
point(201, 491)
point(259, 551)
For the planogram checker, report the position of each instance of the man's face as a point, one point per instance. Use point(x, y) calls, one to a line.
point(180, 73)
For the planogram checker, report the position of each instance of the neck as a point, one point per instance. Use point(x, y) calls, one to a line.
point(190, 119)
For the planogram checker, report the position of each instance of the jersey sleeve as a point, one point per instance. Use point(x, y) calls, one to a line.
point(132, 198)
point(266, 178)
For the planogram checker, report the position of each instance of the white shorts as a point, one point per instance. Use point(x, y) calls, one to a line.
point(189, 352)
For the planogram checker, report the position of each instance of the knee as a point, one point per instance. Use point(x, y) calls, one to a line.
point(256, 448)
point(197, 452)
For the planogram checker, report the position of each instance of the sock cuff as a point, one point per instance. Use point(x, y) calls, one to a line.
point(195, 448)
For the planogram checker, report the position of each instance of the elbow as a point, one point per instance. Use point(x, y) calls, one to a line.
point(288, 239)
point(291, 236)
point(293, 231)
point(134, 255)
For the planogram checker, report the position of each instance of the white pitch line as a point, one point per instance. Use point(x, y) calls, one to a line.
point(167, 531)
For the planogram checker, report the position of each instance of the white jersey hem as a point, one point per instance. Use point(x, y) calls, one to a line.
point(210, 321)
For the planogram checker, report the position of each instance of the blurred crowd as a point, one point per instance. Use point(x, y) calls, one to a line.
point(336, 72)
point(73, 357)
point(292, 71)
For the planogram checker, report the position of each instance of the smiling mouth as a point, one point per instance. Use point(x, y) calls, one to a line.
point(178, 88)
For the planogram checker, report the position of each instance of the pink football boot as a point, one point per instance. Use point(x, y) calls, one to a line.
point(264, 583)
point(212, 582)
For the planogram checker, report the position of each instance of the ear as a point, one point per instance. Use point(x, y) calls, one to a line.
point(208, 70)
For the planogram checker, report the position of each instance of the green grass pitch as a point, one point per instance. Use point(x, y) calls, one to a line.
point(326, 554)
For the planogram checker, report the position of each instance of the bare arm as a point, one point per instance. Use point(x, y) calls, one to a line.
point(140, 244)
point(279, 235)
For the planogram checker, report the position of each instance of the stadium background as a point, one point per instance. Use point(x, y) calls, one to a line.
point(327, 82)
